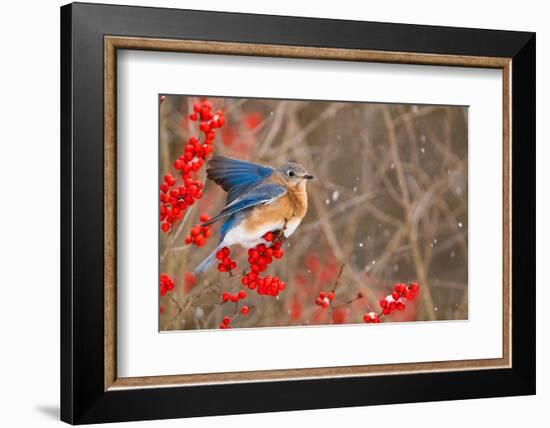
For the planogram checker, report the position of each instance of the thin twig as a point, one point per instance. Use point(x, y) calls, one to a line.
point(338, 277)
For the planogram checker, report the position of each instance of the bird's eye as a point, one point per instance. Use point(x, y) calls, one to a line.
point(291, 173)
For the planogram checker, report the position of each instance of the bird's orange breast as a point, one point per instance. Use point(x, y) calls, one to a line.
point(292, 207)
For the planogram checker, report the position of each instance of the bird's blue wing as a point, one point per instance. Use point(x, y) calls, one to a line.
point(236, 177)
point(261, 194)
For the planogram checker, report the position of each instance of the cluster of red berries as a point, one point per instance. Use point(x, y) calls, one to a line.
point(166, 284)
point(194, 155)
point(267, 286)
point(174, 200)
point(371, 317)
point(226, 296)
point(324, 299)
point(396, 300)
point(226, 264)
point(199, 234)
point(209, 120)
point(259, 258)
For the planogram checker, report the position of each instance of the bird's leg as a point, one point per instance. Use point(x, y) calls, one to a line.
point(279, 235)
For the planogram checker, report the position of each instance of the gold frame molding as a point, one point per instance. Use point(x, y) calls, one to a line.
point(113, 43)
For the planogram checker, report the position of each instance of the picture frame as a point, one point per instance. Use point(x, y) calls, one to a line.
point(91, 390)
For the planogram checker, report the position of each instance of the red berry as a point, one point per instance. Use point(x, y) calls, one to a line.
point(226, 320)
point(169, 179)
point(204, 126)
point(244, 310)
point(414, 286)
point(400, 288)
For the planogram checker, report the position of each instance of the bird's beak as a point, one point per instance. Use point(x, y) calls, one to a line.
point(308, 177)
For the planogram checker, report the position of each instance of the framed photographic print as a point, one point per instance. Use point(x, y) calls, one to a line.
point(292, 213)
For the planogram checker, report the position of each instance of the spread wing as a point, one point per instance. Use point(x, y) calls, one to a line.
point(236, 177)
point(261, 194)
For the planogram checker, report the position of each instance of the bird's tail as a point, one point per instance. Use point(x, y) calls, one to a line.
point(207, 262)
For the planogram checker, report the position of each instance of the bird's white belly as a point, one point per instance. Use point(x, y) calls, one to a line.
point(291, 226)
point(250, 238)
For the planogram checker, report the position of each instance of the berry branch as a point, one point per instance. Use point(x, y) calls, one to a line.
point(178, 193)
point(396, 300)
point(259, 258)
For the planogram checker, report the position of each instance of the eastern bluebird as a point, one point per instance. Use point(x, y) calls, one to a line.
point(260, 199)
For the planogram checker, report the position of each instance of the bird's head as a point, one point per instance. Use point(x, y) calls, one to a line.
point(293, 174)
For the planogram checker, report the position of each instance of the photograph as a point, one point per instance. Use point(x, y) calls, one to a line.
point(296, 213)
